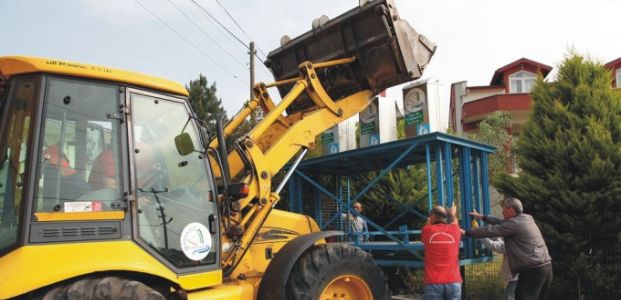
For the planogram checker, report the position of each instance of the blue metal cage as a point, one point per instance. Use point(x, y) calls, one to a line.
point(456, 170)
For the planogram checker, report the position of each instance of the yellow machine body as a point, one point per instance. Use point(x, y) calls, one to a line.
point(203, 223)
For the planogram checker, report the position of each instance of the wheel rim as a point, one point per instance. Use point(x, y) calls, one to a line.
point(346, 287)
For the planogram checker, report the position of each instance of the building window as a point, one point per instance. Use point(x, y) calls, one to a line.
point(618, 81)
point(521, 82)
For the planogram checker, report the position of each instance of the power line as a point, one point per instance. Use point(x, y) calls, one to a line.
point(224, 33)
point(221, 25)
point(233, 19)
point(205, 33)
point(187, 41)
point(239, 26)
point(225, 28)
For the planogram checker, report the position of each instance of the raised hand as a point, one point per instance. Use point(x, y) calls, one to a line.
point(476, 215)
point(453, 210)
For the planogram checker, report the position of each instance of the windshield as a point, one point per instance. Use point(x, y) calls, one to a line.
point(78, 163)
point(177, 212)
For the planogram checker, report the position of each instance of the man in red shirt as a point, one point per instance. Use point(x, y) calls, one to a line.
point(441, 240)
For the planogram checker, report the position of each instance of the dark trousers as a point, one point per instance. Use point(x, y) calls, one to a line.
point(533, 284)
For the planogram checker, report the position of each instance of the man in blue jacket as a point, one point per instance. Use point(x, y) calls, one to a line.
point(525, 248)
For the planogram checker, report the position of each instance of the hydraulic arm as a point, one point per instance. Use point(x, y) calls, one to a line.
point(341, 66)
point(272, 143)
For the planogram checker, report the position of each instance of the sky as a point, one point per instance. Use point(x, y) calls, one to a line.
point(177, 40)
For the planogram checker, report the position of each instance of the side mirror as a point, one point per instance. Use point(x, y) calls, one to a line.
point(184, 144)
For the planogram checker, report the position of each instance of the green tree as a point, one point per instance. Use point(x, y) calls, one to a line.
point(204, 101)
point(570, 156)
point(493, 131)
point(394, 192)
point(246, 126)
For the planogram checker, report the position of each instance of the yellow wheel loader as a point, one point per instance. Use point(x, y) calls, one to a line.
point(111, 188)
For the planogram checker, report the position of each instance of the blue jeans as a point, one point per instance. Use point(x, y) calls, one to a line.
point(510, 290)
point(442, 291)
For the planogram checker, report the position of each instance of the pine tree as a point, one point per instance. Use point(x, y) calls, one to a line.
point(493, 131)
point(398, 189)
point(570, 156)
point(204, 101)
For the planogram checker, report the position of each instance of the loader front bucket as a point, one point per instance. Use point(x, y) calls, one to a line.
point(388, 52)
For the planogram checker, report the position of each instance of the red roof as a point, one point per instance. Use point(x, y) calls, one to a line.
point(486, 87)
point(613, 63)
point(497, 78)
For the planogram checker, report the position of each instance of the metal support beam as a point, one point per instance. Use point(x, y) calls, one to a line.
point(317, 185)
point(429, 184)
point(439, 176)
point(485, 184)
point(467, 195)
point(448, 168)
point(385, 171)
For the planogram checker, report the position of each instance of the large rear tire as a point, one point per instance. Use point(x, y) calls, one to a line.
point(336, 271)
point(109, 288)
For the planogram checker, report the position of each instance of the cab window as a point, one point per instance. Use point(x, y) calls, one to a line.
point(18, 108)
point(78, 165)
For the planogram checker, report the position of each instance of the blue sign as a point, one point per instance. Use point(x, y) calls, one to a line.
point(422, 129)
point(374, 139)
point(334, 148)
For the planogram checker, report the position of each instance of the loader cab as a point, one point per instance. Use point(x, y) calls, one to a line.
point(87, 159)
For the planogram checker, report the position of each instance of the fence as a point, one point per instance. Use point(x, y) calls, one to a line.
point(481, 281)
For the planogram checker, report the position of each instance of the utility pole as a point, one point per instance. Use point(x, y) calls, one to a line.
point(252, 54)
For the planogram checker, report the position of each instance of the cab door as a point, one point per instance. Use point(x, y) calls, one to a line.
point(176, 212)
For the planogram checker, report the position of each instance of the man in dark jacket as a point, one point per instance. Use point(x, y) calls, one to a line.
point(525, 248)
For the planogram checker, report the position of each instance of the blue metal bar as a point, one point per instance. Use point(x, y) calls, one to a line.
point(298, 191)
point(385, 171)
point(448, 163)
point(347, 191)
point(350, 205)
point(467, 196)
point(461, 176)
point(420, 264)
point(343, 198)
point(405, 208)
point(398, 145)
point(318, 207)
point(399, 263)
point(476, 181)
point(387, 234)
point(379, 233)
point(429, 184)
point(317, 185)
point(389, 246)
point(403, 230)
point(439, 176)
point(334, 217)
point(340, 207)
point(485, 183)
point(408, 208)
point(476, 185)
